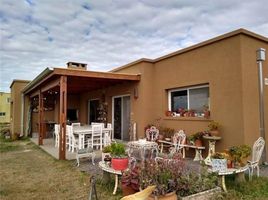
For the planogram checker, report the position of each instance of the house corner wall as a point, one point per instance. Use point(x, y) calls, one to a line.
point(250, 88)
point(142, 112)
point(16, 123)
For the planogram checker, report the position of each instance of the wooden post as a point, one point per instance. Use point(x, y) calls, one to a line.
point(62, 113)
point(41, 118)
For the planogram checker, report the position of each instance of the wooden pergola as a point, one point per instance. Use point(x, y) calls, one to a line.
point(60, 81)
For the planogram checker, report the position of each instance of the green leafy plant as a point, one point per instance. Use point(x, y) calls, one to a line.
point(192, 183)
point(166, 132)
point(107, 149)
point(196, 136)
point(118, 150)
point(219, 155)
point(214, 125)
point(238, 153)
point(163, 173)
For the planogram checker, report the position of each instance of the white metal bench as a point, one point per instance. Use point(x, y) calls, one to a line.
point(198, 149)
point(85, 153)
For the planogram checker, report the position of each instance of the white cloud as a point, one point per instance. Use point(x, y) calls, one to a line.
point(107, 34)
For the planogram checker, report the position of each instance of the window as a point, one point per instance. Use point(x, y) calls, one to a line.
point(8, 100)
point(2, 114)
point(194, 98)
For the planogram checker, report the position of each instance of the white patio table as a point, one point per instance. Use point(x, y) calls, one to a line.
point(239, 175)
point(81, 131)
point(142, 145)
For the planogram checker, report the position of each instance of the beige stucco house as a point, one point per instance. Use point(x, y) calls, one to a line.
point(220, 73)
point(4, 107)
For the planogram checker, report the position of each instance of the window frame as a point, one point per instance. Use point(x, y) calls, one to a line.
point(188, 99)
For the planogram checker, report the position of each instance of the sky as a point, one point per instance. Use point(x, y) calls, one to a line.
point(36, 34)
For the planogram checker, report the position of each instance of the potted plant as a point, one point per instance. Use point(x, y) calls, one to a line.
point(191, 113)
point(219, 161)
point(130, 181)
point(196, 139)
point(106, 153)
point(119, 156)
point(173, 179)
point(206, 111)
point(240, 154)
point(163, 173)
point(168, 113)
point(166, 132)
point(214, 128)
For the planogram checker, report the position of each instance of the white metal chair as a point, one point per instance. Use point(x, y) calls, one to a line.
point(256, 156)
point(72, 140)
point(152, 134)
point(107, 135)
point(179, 139)
point(57, 134)
point(98, 123)
point(85, 153)
point(76, 124)
point(68, 137)
point(96, 136)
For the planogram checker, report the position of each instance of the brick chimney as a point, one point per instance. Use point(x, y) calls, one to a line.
point(76, 65)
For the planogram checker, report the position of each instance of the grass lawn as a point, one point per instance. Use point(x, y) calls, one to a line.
point(255, 189)
point(27, 172)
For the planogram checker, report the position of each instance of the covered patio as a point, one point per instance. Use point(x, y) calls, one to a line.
point(51, 93)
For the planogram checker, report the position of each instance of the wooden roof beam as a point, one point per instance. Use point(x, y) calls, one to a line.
point(50, 85)
point(101, 75)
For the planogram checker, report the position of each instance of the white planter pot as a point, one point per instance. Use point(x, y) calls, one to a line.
point(219, 165)
point(208, 194)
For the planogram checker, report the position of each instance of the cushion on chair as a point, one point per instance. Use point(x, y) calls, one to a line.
point(83, 151)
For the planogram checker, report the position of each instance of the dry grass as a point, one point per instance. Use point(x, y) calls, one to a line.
point(27, 172)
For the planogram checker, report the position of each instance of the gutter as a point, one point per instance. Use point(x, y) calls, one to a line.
point(44, 73)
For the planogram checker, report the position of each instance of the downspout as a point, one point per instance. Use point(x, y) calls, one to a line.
point(22, 115)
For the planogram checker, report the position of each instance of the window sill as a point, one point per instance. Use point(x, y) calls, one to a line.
point(187, 119)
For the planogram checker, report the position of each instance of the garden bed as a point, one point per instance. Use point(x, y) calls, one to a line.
point(202, 195)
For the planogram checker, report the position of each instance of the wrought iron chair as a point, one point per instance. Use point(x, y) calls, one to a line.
point(179, 140)
point(256, 156)
point(85, 153)
point(152, 134)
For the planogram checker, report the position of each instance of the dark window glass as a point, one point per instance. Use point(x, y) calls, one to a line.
point(179, 100)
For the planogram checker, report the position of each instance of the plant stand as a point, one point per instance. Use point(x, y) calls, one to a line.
point(106, 174)
point(211, 147)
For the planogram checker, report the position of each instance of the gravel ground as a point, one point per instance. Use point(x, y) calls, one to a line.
point(86, 166)
point(264, 170)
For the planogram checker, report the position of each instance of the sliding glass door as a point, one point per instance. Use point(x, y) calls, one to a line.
point(121, 117)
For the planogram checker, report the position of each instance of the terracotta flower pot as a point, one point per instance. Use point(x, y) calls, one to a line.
point(120, 163)
point(169, 196)
point(198, 143)
point(206, 114)
point(229, 164)
point(214, 132)
point(127, 190)
point(161, 137)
